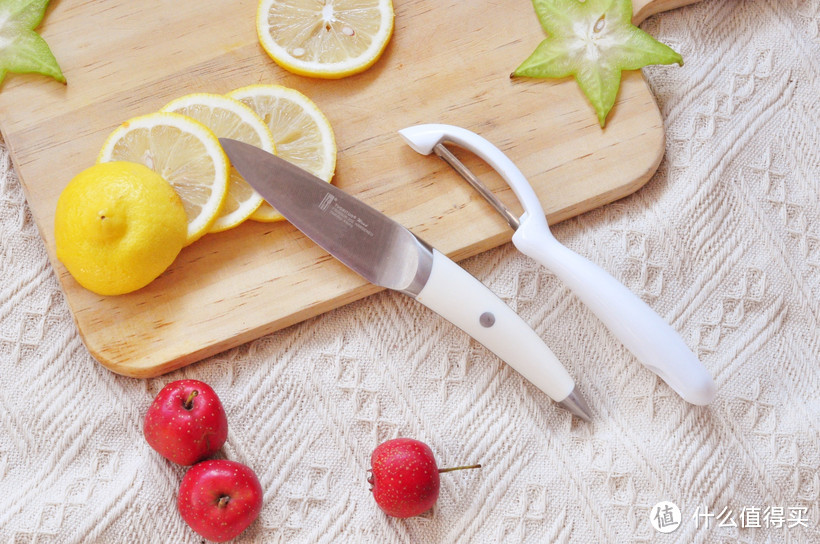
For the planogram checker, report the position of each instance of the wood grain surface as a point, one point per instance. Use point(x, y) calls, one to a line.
point(448, 62)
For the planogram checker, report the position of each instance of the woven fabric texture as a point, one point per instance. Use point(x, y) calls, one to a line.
point(723, 242)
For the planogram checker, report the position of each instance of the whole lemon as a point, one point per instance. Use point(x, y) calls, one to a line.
point(118, 226)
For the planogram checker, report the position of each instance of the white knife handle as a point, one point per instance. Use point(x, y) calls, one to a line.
point(655, 344)
point(468, 304)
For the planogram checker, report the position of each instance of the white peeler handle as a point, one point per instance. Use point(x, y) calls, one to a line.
point(468, 304)
point(653, 342)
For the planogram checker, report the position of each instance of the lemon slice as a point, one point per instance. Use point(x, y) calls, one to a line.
point(185, 153)
point(229, 118)
point(302, 133)
point(324, 38)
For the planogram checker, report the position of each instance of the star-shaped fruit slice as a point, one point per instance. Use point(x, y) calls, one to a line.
point(21, 49)
point(592, 40)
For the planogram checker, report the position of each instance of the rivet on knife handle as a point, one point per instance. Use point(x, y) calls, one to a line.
point(467, 303)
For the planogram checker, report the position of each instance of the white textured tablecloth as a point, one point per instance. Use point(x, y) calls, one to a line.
point(723, 242)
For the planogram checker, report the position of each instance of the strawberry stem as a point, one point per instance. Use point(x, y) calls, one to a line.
point(457, 468)
point(189, 403)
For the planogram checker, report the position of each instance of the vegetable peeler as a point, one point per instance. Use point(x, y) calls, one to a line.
point(653, 342)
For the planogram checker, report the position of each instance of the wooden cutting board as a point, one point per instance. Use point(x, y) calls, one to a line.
point(448, 62)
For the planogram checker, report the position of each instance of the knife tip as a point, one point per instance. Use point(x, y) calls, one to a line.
point(577, 405)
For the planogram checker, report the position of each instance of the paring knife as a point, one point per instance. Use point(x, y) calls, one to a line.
point(389, 255)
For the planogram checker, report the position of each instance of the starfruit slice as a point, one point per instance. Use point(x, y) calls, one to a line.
point(594, 41)
point(21, 49)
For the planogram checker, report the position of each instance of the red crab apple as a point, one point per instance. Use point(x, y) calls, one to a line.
point(186, 422)
point(405, 477)
point(219, 498)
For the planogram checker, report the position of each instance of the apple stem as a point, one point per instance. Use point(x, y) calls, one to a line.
point(223, 501)
point(189, 403)
point(457, 468)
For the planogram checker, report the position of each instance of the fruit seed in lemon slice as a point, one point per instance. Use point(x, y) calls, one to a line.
point(327, 39)
point(229, 118)
point(185, 153)
point(301, 131)
point(117, 226)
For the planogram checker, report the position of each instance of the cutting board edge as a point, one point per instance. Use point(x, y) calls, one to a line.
point(644, 9)
point(617, 193)
point(146, 367)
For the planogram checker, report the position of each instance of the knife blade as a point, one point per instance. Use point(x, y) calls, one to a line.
point(387, 254)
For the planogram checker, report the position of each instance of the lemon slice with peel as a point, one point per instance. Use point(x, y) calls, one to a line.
point(229, 118)
point(185, 153)
point(301, 131)
point(325, 38)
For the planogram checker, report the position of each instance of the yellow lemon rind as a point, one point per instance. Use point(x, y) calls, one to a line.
point(336, 70)
point(240, 208)
point(265, 212)
point(199, 225)
point(118, 226)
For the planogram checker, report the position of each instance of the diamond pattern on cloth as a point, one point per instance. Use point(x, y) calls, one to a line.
point(723, 242)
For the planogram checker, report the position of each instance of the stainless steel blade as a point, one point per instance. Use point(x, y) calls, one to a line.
point(370, 243)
